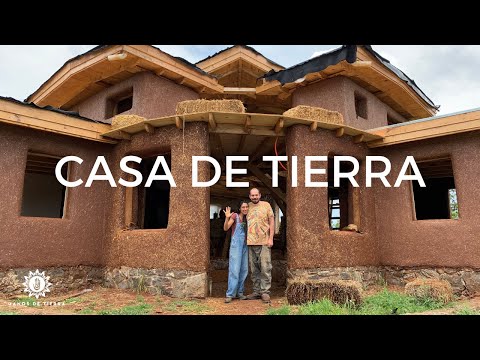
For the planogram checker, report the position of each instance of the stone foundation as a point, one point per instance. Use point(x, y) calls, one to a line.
point(175, 283)
point(366, 275)
point(63, 279)
point(464, 281)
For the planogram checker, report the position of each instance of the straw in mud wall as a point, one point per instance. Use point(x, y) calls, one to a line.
point(201, 105)
point(315, 114)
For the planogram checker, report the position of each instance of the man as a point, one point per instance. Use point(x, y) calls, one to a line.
point(261, 228)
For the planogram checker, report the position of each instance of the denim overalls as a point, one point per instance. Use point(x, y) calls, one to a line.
point(238, 261)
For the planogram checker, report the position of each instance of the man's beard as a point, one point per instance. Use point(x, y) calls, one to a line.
point(255, 201)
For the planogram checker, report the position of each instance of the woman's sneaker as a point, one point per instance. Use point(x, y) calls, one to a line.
point(228, 300)
point(242, 297)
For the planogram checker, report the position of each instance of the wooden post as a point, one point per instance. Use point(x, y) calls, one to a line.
point(279, 125)
point(149, 128)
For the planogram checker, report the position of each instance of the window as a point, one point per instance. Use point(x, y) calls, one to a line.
point(338, 197)
point(124, 105)
point(119, 103)
point(43, 195)
point(360, 106)
point(153, 203)
point(438, 200)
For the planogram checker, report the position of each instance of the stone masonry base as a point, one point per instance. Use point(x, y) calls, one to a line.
point(63, 279)
point(175, 283)
point(464, 281)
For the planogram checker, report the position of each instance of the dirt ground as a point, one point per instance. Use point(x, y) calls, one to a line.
point(103, 300)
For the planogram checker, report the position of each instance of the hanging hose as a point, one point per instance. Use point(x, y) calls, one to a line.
point(276, 154)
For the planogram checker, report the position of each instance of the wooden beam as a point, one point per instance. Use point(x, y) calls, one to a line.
point(427, 129)
point(45, 120)
point(257, 153)
point(279, 125)
point(267, 182)
point(211, 121)
point(178, 122)
point(239, 90)
point(240, 130)
point(358, 138)
point(128, 205)
point(241, 144)
point(149, 128)
point(248, 122)
point(124, 135)
point(313, 126)
point(339, 132)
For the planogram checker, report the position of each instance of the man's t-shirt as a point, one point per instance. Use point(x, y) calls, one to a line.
point(258, 224)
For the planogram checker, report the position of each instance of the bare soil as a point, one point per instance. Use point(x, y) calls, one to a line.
point(103, 299)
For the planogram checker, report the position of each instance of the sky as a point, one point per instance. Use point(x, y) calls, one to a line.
point(448, 74)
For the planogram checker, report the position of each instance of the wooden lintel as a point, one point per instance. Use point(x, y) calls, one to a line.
point(339, 132)
point(202, 89)
point(178, 122)
point(358, 138)
point(149, 128)
point(181, 81)
point(161, 72)
point(313, 126)
point(279, 125)
point(124, 135)
point(211, 121)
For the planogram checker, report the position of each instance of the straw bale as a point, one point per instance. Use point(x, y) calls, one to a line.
point(202, 105)
point(315, 114)
point(422, 288)
point(124, 120)
point(337, 291)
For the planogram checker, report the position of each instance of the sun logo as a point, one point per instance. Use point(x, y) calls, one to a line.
point(37, 284)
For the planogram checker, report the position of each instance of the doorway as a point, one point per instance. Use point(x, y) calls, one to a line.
point(258, 175)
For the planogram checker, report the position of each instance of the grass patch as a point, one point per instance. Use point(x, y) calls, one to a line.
point(323, 307)
point(8, 313)
point(87, 311)
point(190, 306)
point(74, 300)
point(466, 310)
point(27, 301)
point(390, 302)
point(382, 303)
point(138, 309)
point(284, 310)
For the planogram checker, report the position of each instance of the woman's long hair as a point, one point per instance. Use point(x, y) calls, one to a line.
point(240, 209)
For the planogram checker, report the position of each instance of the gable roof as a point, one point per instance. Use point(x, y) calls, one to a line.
point(249, 48)
point(91, 72)
point(364, 66)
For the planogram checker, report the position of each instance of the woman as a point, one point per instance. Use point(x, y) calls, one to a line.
point(238, 260)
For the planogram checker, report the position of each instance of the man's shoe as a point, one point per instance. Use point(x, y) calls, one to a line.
point(242, 297)
point(266, 298)
point(253, 296)
point(228, 300)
